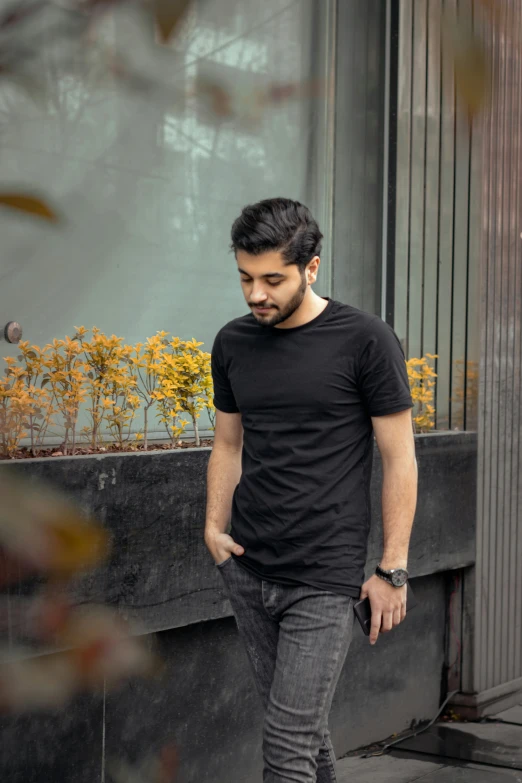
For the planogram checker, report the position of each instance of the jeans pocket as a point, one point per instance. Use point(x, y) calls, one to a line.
point(224, 562)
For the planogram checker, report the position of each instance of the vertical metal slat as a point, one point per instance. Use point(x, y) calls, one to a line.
point(403, 170)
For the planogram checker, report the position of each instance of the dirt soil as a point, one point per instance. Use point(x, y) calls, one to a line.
point(56, 451)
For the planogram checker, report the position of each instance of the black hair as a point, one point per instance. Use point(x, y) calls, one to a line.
point(278, 224)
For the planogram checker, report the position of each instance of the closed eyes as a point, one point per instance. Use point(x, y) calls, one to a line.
point(277, 282)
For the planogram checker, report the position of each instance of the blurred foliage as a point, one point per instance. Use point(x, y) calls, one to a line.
point(421, 377)
point(466, 392)
point(159, 768)
point(470, 58)
point(45, 532)
point(167, 15)
point(465, 30)
point(44, 535)
point(31, 205)
point(144, 61)
point(44, 390)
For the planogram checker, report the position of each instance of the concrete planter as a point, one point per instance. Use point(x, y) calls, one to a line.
point(153, 503)
point(161, 577)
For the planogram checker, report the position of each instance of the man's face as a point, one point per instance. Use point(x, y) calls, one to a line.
point(272, 289)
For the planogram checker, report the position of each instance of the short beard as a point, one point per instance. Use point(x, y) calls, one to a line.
point(289, 309)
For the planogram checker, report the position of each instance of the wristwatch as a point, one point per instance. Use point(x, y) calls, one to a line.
point(396, 576)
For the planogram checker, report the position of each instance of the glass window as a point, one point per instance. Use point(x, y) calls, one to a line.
point(148, 180)
point(359, 154)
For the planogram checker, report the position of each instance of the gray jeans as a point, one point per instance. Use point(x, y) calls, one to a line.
point(296, 638)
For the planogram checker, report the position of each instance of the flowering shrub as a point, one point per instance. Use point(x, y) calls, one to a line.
point(46, 388)
point(65, 379)
point(422, 382)
point(111, 394)
point(16, 408)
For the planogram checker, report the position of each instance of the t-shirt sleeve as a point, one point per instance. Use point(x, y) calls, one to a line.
point(224, 399)
point(383, 377)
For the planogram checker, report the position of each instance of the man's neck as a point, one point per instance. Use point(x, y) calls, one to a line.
point(311, 306)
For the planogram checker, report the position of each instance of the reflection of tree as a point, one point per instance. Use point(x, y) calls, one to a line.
point(465, 395)
point(150, 181)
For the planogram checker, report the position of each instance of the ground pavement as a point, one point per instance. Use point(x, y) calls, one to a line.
point(489, 751)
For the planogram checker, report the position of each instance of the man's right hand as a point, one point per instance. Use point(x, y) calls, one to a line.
point(222, 546)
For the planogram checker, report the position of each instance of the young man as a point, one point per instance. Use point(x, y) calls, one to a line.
point(302, 384)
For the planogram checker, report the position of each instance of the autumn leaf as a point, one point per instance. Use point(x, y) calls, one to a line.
point(31, 205)
point(168, 14)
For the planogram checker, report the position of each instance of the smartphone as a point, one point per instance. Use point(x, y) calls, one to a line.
point(363, 610)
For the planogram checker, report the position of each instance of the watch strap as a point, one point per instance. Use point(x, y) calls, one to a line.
point(387, 576)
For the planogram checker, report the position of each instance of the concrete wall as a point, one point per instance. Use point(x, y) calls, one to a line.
point(206, 703)
point(161, 576)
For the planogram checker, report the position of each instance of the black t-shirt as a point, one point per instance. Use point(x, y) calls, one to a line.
point(306, 396)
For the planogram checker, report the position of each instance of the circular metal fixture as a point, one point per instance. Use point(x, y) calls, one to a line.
point(13, 332)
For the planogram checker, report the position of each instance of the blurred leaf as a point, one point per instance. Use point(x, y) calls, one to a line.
point(18, 12)
point(31, 205)
point(44, 533)
point(77, 545)
point(471, 77)
point(168, 764)
point(160, 768)
point(494, 7)
point(32, 85)
point(471, 62)
point(11, 570)
point(44, 682)
point(216, 95)
point(168, 14)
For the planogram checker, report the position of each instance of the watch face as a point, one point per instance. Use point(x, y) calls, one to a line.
point(399, 577)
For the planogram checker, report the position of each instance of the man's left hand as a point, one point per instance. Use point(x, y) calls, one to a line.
point(388, 605)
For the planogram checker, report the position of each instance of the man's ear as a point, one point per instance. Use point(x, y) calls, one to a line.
point(311, 270)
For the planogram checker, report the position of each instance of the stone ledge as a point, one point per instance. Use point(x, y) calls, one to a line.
point(160, 574)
